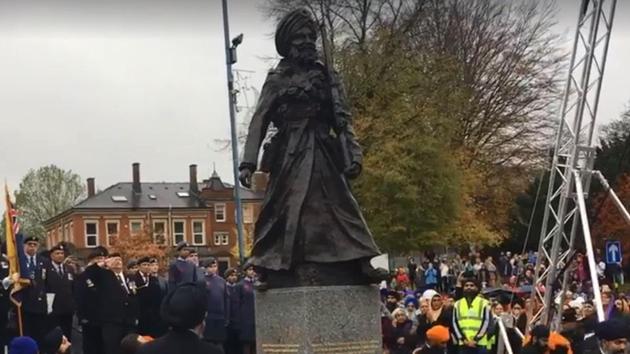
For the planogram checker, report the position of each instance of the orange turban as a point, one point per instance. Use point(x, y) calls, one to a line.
point(438, 334)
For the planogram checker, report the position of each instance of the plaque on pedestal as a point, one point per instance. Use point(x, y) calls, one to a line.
point(327, 319)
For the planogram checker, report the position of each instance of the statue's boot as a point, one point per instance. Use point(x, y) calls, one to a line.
point(375, 275)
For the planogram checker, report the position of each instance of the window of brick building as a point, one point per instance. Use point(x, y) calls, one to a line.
point(135, 227)
point(198, 229)
point(219, 212)
point(91, 233)
point(179, 231)
point(159, 232)
point(221, 238)
point(248, 213)
point(112, 232)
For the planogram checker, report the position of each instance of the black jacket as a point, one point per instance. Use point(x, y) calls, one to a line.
point(117, 305)
point(86, 295)
point(179, 342)
point(34, 295)
point(62, 287)
point(149, 297)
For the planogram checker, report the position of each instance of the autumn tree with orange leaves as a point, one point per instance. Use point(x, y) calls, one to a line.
point(609, 223)
point(141, 245)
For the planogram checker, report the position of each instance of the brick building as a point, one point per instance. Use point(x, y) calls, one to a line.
point(202, 214)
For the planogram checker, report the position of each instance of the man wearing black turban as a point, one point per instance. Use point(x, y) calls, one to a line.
point(184, 309)
point(310, 229)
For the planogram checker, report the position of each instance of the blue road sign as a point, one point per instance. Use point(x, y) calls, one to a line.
point(613, 252)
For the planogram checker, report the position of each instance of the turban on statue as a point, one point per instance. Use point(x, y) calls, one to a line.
point(290, 24)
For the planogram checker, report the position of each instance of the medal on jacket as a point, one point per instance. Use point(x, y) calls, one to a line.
point(70, 276)
point(132, 287)
point(5, 265)
point(43, 273)
point(89, 283)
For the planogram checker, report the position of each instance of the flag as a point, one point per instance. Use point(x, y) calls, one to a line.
point(15, 250)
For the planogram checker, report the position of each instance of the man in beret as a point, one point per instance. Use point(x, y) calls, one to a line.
point(34, 301)
point(86, 296)
point(184, 309)
point(181, 270)
point(231, 345)
point(218, 304)
point(61, 283)
point(132, 267)
point(149, 296)
point(118, 304)
point(246, 320)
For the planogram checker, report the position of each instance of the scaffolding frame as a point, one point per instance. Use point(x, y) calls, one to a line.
point(572, 163)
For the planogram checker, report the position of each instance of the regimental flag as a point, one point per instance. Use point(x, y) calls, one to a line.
point(15, 250)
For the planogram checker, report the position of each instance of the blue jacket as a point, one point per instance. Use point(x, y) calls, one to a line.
point(181, 271)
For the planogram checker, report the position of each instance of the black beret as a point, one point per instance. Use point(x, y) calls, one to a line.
point(611, 330)
point(144, 260)
point(58, 247)
point(290, 24)
point(132, 263)
point(52, 341)
point(115, 254)
point(31, 239)
point(540, 331)
point(230, 271)
point(181, 246)
point(153, 260)
point(99, 251)
point(185, 307)
point(208, 262)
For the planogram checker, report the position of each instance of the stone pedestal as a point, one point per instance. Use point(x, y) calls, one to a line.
point(324, 319)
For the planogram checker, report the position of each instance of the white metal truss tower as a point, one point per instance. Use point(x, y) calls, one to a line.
point(573, 158)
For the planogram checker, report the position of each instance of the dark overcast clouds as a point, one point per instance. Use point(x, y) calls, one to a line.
point(94, 85)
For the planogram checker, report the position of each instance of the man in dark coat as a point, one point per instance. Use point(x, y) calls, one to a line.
point(149, 296)
point(232, 345)
point(117, 301)
point(184, 309)
point(34, 302)
point(246, 318)
point(181, 270)
point(60, 282)
point(218, 304)
point(86, 295)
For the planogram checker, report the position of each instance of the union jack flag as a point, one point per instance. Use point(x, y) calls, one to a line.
point(14, 213)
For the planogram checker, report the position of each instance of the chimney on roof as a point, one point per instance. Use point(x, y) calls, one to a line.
point(194, 186)
point(91, 190)
point(136, 178)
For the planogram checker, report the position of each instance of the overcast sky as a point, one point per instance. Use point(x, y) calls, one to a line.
point(95, 85)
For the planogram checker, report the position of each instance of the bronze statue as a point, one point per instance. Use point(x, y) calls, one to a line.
point(310, 230)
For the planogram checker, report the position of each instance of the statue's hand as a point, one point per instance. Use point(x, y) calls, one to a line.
point(353, 171)
point(245, 176)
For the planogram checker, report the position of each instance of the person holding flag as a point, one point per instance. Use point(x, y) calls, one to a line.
point(25, 280)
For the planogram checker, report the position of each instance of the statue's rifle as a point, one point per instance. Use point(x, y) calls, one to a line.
point(339, 114)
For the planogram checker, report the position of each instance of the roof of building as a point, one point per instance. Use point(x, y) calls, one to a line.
point(153, 195)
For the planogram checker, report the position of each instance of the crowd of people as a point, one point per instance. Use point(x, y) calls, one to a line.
point(457, 304)
point(113, 305)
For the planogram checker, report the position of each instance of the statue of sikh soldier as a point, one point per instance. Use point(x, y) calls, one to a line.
point(310, 230)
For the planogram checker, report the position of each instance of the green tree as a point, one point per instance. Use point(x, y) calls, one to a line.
point(44, 193)
point(613, 154)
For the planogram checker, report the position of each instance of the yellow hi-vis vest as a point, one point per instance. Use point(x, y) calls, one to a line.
point(470, 318)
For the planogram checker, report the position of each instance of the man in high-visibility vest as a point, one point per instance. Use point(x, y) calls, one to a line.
point(471, 320)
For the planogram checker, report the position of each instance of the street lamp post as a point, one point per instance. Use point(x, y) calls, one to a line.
point(230, 56)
